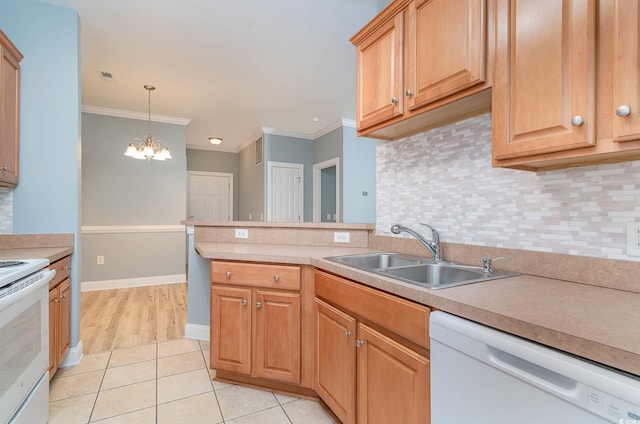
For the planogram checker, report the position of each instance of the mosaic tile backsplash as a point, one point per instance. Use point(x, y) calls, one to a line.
point(444, 177)
point(6, 210)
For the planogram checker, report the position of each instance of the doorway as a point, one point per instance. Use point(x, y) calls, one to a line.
point(326, 191)
point(285, 192)
point(209, 196)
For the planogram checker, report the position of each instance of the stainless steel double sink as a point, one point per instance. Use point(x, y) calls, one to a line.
point(423, 272)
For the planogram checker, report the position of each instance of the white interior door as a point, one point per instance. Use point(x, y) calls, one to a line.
point(210, 196)
point(285, 192)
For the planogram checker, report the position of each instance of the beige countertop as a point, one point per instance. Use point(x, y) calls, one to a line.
point(51, 253)
point(268, 224)
point(599, 324)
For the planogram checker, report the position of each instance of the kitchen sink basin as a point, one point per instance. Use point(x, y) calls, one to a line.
point(423, 272)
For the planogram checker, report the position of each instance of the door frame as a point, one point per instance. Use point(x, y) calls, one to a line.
point(317, 188)
point(212, 174)
point(270, 166)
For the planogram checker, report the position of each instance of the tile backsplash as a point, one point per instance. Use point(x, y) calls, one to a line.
point(444, 177)
point(6, 210)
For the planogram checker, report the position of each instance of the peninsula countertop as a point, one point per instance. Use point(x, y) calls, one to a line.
point(596, 323)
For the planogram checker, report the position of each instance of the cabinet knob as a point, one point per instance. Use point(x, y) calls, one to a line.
point(276, 278)
point(4, 168)
point(244, 302)
point(67, 268)
point(258, 305)
point(346, 334)
point(394, 100)
point(359, 343)
point(64, 296)
point(409, 93)
point(57, 300)
point(228, 274)
point(624, 110)
point(577, 121)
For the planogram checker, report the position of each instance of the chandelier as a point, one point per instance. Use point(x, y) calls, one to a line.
point(148, 149)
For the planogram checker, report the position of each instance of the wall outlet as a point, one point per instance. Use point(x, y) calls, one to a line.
point(242, 233)
point(341, 237)
point(633, 239)
point(100, 260)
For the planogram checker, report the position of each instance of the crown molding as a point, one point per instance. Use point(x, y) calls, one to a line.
point(273, 131)
point(119, 113)
point(210, 148)
point(351, 123)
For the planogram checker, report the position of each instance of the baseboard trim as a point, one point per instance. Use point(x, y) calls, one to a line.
point(126, 283)
point(73, 357)
point(196, 332)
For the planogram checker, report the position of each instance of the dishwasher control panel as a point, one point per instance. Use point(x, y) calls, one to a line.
point(612, 408)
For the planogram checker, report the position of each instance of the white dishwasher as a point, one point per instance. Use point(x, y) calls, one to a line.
point(483, 376)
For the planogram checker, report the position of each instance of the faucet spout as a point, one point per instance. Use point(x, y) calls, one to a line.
point(433, 246)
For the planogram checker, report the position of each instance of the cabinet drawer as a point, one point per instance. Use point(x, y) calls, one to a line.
point(63, 270)
point(407, 319)
point(256, 275)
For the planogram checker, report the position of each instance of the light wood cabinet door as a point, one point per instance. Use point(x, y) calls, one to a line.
point(544, 81)
point(54, 313)
point(231, 329)
point(9, 111)
point(393, 381)
point(445, 48)
point(379, 62)
point(64, 323)
point(626, 74)
point(278, 336)
point(335, 369)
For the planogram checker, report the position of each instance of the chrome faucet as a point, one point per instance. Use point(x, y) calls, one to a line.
point(433, 246)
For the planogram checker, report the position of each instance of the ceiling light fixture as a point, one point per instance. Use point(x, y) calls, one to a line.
point(148, 149)
point(215, 140)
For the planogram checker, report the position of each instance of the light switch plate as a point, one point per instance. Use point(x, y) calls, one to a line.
point(633, 239)
point(242, 233)
point(341, 237)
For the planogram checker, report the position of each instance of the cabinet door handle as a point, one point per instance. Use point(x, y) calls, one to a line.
point(359, 343)
point(276, 278)
point(624, 110)
point(228, 274)
point(577, 121)
point(346, 334)
point(67, 268)
point(409, 93)
point(258, 305)
point(394, 100)
point(64, 296)
point(244, 302)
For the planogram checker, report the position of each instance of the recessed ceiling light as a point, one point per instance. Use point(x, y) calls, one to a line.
point(315, 118)
point(215, 140)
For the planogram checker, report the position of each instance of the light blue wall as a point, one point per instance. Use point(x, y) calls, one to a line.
point(359, 176)
point(278, 148)
point(328, 194)
point(47, 199)
point(251, 186)
point(328, 146)
point(121, 191)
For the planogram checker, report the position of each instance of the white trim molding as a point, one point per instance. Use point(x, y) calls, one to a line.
point(211, 148)
point(73, 356)
point(126, 229)
point(317, 188)
point(197, 332)
point(127, 283)
point(143, 116)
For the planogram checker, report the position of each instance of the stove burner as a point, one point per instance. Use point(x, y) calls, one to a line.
point(4, 264)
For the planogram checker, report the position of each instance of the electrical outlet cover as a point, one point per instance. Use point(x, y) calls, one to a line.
point(242, 233)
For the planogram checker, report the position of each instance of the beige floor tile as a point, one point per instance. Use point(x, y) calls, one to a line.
point(143, 416)
point(131, 355)
point(206, 353)
point(304, 411)
point(200, 409)
point(129, 374)
point(75, 410)
point(203, 344)
point(183, 385)
point(75, 385)
point(176, 347)
point(124, 400)
point(90, 362)
point(270, 416)
point(282, 399)
point(217, 385)
point(237, 401)
point(177, 364)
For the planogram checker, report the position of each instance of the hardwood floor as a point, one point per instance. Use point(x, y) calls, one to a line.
point(114, 319)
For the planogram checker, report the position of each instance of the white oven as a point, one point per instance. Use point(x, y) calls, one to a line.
point(24, 341)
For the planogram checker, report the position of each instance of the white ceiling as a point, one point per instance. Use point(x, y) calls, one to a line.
point(232, 67)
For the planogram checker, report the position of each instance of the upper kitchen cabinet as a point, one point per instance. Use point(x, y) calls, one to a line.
point(421, 64)
point(566, 83)
point(10, 58)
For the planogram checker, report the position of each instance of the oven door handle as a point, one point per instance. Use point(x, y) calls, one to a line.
point(21, 293)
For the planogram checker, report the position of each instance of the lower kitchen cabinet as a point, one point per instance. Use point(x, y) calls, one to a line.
point(256, 331)
point(59, 314)
point(365, 371)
